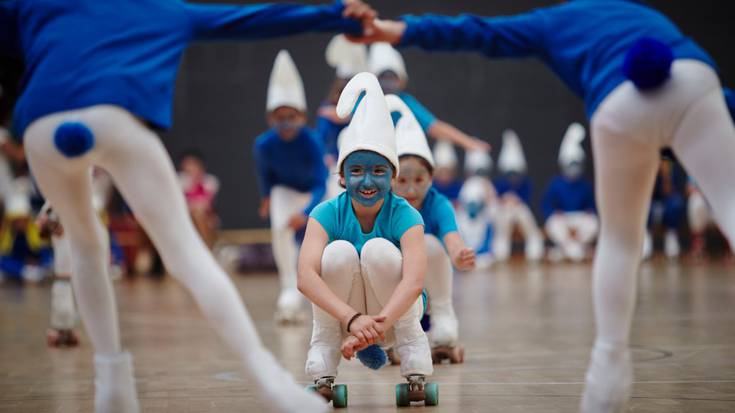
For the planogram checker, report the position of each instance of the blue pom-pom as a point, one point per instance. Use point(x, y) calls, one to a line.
point(73, 139)
point(648, 63)
point(372, 357)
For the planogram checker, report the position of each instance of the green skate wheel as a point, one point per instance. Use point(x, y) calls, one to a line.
point(402, 399)
point(339, 395)
point(431, 392)
point(311, 387)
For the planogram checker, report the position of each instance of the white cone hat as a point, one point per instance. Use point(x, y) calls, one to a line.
point(384, 57)
point(371, 127)
point(410, 138)
point(511, 157)
point(477, 160)
point(347, 58)
point(474, 189)
point(285, 87)
point(571, 149)
point(444, 155)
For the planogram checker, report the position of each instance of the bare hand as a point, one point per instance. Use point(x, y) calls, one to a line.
point(377, 30)
point(350, 347)
point(464, 260)
point(264, 209)
point(477, 144)
point(297, 221)
point(359, 10)
point(367, 329)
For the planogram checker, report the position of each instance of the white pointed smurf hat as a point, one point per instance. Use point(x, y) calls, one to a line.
point(474, 189)
point(511, 157)
point(347, 58)
point(444, 155)
point(371, 127)
point(285, 87)
point(571, 149)
point(410, 138)
point(477, 160)
point(384, 57)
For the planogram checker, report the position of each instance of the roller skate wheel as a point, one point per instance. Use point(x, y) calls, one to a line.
point(431, 394)
point(339, 396)
point(402, 399)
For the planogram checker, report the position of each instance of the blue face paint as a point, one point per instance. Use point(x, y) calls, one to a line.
point(474, 208)
point(367, 177)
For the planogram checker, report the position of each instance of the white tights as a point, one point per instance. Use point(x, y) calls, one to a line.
point(143, 172)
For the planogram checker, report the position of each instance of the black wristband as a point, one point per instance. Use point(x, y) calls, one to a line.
point(349, 323)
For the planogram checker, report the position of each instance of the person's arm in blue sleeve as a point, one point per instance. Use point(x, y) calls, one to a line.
point(320, 174)
point(506, 36)
point(524, 191)
point(548, 201)
point(260, 21)
point(9, 38)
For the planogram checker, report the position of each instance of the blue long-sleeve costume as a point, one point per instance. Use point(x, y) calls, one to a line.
point(568, 195)
point(519, 185)
point(297, 164)
point(584, 41)
point(127, 53)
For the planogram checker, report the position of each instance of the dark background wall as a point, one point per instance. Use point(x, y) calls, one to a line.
point(220, 93)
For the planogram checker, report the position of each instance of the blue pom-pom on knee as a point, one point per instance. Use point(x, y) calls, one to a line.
point(648, 63)
point(372, 357)
point(73, 139)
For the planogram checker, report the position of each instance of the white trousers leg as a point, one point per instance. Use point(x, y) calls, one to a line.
point(381, 265)
point(439, 275)
point(144, 174)
point(285, 202)
point(698, 213)
point(560, 226)
point(507, 217)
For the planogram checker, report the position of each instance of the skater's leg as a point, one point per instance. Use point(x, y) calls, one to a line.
point(381, 264)
point(439, 274)
point(341, 272)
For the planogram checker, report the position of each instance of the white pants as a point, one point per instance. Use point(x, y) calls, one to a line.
point(285, 202)
point(699, 213)
point(560, 227)
point(366, 283)
point(136, 159)
point(506, 217)
point(439, 275)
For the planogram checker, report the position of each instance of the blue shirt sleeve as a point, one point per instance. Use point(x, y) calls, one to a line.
point(265, 181)
point(445, 218)
point(405, 217)
point(506, 36)
point(259, 21)
point(9, 40)
point(549, 200)
point(320, 172)
point(425, 118)
point(326, 214)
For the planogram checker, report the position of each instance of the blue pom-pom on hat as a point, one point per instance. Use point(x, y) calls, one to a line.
point(73, 139)
point(648, 63)
point(372, 357)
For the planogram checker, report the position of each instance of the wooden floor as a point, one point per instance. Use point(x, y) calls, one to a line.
point(527, 329)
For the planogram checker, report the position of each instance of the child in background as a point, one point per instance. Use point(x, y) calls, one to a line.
point(446, 180)
point(477, 205)
point(200, 190)
point(363, 259)
point(667, 209)
point(291, 174)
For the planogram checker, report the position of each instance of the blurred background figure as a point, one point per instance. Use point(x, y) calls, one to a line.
point(387, 64)
point(200, 189)
point(446, 180)
point(24, 255)
point(347, 59)
point(292, 177)
point(569, 202)
point(514, 193)
point(477, 200)
point(700, 218)
point(667, 208)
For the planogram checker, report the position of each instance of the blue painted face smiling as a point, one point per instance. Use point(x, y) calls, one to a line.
point(367, 177)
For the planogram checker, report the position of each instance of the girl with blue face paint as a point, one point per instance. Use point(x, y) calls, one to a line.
point(288, 194)
point(363, 258)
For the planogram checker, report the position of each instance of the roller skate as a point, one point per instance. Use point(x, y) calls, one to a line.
point(61, 338)
point(290, 309)
point(335, 393)
point(443, 334)
point(393, 357)
point(455, 355)
point(63, 316)
point(417, 390)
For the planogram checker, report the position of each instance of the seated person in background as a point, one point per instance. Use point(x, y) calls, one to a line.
point(200, 190)
point(667, 208)
point(446, 180)
point(24, 255)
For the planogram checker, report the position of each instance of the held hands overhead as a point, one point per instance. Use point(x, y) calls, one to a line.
point(374, 29)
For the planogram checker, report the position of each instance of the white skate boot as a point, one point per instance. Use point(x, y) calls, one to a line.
point(114, 384)
point(290, 307)
point(444, 334)
point(609, 380)
point(671, 244)
point(63, 316)
point(412, 346)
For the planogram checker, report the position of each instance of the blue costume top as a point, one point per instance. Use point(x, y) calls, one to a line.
point(126, 53)
point(568, 196)
point(423, 116)
point(297, 164)
point(584, 41)
point(521, 187)
point(438, 215)
point(395, 217)
point(329, 132)
point(449, 190)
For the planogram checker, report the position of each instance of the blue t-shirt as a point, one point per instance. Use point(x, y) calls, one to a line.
point(338, 219)
point(449, 190)
point(520, 187)
point(297, 164)
point(568, 196)
point(423, 116)
point(88, 52)
point(438, 215)
point(584, 41)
